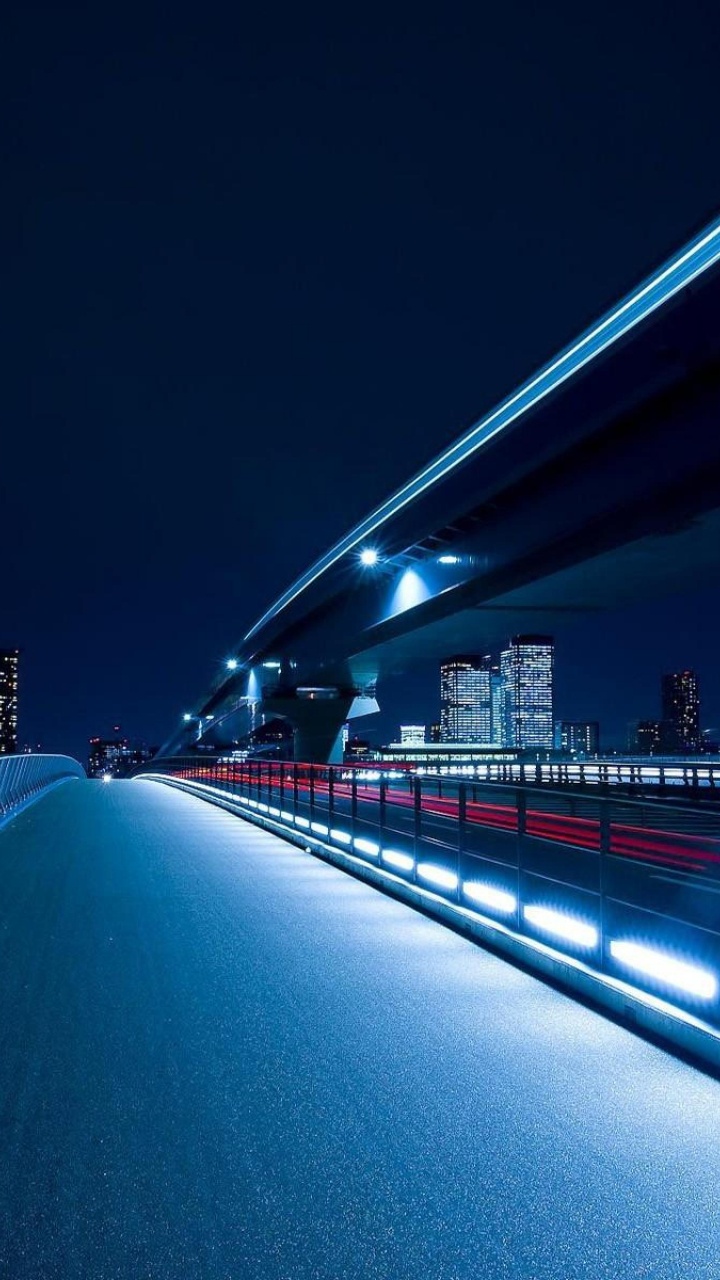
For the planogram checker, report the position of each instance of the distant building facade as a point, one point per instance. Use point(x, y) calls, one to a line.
point(527, 671)
point(465, 699)
point(681, 712)
point(577, 737)
point(115, 757)
point(412, 734)
point(645, 737)
point(9, 659)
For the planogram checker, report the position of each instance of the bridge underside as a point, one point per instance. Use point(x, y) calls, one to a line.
point(605, 491)
point(646, 569)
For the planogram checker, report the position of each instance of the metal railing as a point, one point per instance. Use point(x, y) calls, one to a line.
point(631, 887)
point(673, 773)
point(23, 778)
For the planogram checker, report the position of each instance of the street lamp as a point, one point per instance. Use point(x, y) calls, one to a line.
point(368, 557)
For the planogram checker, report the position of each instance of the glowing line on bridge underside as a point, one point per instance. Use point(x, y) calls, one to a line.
point(698, 256)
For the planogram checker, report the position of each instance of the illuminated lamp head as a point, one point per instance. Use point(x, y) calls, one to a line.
point(368, 557)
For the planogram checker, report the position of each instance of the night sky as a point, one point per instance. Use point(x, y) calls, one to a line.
point(260, 264)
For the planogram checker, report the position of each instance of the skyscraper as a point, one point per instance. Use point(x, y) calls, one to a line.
point(466, 699)
point(681, 711)
point(497, 729)
point(526, 667)
point(8, 701)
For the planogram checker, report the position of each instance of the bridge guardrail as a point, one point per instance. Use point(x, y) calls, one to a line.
point(23, 778)
point(691, 776)
point(630, 887)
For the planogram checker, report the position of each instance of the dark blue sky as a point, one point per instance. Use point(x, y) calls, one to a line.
point(260, 266)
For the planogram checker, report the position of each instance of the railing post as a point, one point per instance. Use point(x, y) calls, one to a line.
point(331, 798)
point(353, 806)
point(604, 850)
point(417, 825)
point(382, 792)
point(295, 790)
point(521, 810)
point(462, 812)
point(311, 788)
point(281, 788)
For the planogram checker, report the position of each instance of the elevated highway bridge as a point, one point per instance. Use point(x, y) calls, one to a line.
point(595, 483)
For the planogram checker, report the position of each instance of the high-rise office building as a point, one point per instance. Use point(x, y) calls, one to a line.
point(526, 667)
point(465, 699)
point(681, 712)
point(8, 701)
point(496, 706)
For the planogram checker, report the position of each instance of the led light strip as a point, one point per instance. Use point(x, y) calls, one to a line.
point(667, 969)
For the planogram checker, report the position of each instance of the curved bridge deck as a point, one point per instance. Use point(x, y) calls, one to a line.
point(222, 1058)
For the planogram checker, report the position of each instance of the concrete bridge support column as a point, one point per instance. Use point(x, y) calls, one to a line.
point(317, 721)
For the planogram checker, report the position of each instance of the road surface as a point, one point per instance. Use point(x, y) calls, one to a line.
point(223, 1058)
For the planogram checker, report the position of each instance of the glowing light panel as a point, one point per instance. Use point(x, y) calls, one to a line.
point(489, 896)
point(658, 964)
point(562, 926)
point(402, 861)
point(341, 837)
point(437, 875)
point(367, 846)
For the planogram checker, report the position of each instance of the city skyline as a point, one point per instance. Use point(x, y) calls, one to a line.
point(677, 729)
point(654, 736)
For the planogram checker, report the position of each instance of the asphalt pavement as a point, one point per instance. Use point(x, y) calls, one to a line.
point(221, 1057)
